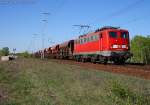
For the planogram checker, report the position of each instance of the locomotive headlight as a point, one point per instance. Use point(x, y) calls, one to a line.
point(115, 46)
point(124, 46)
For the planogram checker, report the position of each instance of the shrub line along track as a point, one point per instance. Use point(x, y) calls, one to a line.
point(142, 71)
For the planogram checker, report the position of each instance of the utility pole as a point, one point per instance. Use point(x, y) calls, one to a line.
point(45, 21)
point(34, 42)
point(31, 46)
point(14, 51)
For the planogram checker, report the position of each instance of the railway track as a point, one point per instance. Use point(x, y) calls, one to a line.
point(136, 70)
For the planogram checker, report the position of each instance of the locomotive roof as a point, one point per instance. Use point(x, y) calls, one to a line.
point(102, 29)
point(106, 28)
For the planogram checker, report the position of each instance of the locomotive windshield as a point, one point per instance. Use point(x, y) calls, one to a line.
point(124, 35)
point(113, 34)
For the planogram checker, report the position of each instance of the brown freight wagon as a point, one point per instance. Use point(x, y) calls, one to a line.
point(66, 50)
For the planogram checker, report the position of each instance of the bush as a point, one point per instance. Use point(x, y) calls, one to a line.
point(140, 47)
point(4, 51)
point(122, 94)
point(24, 54)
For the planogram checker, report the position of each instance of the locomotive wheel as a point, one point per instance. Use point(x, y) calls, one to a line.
point(122, 61)
point(83, 60)
point(93, 60)
point(77, 58)
point(116, 61)
point(105, 61)
point(119, 61)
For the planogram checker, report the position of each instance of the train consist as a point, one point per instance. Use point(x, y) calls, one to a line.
point(103, 45)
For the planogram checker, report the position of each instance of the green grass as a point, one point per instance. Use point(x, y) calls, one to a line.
point(36, 82)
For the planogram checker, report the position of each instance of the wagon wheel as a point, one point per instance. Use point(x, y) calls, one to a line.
point(83, 60)
point(105, 61)
point(93, 60)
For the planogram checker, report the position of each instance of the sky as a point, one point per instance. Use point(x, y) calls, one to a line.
point(22, 26)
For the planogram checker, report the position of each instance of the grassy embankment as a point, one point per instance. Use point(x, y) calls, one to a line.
point(36, 82)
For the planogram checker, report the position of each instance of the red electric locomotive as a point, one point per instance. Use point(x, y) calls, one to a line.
point(105, 44)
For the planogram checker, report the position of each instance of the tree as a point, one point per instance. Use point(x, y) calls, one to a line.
point(4, 51)
point(140, 47)
point(25, 54)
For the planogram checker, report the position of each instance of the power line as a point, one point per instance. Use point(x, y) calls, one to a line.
point(59, 6)
point(125, 9)
point(134, 20)
point(121, 11)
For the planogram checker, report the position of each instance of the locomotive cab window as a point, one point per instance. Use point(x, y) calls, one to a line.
point(113, 34)
point(124, 35)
